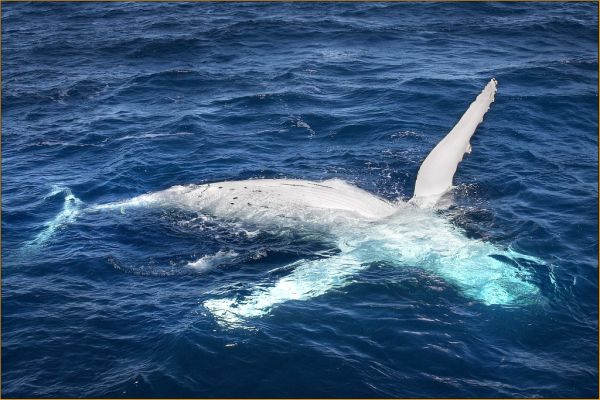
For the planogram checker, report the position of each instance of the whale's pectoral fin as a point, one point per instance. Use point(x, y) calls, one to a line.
point(310, 278)
point(437, 171)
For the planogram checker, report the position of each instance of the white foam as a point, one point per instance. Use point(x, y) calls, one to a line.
point(302, 124)
point(151, 136)
point(209, 262)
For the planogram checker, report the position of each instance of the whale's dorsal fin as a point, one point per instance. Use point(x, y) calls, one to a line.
point(438, 169)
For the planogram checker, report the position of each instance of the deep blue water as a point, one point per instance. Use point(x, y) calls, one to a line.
point(115, 100)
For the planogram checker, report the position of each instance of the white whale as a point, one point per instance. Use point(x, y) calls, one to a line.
point(364, 228)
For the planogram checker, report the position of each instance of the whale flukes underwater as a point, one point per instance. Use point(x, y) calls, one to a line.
point(364, 228)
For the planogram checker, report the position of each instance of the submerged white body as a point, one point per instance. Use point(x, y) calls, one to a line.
point(365, 228)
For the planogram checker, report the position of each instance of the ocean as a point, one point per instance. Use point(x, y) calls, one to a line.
point(102, 102)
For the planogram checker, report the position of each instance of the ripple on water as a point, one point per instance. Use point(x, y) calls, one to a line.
point(111, 101)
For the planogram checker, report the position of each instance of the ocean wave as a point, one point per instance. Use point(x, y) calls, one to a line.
point(153, 46)
point(110, 101)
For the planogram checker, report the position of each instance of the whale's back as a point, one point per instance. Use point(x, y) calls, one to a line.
point(288, 196)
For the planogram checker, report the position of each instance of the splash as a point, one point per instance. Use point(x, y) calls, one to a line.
point(206, 263)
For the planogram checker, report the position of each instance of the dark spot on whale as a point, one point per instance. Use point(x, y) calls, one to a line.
point(232, 203)
point(220, 187)
point(235, 198)
point(249, 204)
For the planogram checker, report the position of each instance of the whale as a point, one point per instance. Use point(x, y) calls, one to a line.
point(363, 228)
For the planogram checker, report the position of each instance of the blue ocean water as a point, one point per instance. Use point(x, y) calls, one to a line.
point(108, 101)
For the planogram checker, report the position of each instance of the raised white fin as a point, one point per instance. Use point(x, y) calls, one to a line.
point(437, 171)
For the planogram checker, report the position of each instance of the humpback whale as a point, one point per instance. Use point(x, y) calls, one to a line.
point(364, 227)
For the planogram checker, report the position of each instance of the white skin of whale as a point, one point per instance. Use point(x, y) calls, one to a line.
point(364, 227)
point(437, 171)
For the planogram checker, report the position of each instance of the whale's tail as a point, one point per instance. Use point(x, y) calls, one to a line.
point(71, 208)
point(437, 171)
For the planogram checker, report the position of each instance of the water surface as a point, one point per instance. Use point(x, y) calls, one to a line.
point(108, 101)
